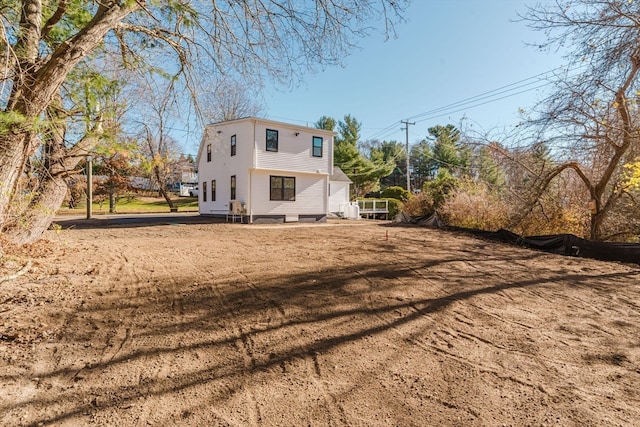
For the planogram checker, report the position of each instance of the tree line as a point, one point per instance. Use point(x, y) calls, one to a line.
point(473, 181)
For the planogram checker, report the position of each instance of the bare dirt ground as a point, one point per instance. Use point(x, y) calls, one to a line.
point(323, 325)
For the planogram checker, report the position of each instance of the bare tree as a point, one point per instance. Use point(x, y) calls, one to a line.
point(156, 107)
point(41, 44)
point(230, 99)
point(591, 121)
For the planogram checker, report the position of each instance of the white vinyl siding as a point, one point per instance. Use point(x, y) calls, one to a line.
point(223, 165)
point(339, 195)
point(295, 152)
point(311, 196)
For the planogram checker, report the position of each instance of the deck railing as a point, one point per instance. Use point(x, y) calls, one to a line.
point(373, 207)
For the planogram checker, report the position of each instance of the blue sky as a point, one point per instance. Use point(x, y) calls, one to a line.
point(448, 51)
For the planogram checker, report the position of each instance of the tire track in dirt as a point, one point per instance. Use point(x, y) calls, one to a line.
point(165, 365)
point(548, 368)
point(479, 367)
point(111, 339)
point(87, 341)
point(485, 311)
point(410, 338)
point(389, 323)
point(244, 345)
point(118, 341)
point(432, 291)
point(335, 412)
point(124, 302)
point(216, 281)
point(257, 295)
point(450, 335)
point(273, 316)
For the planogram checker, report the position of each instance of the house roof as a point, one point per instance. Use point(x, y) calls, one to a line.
point(274, 123)
point(339, 176)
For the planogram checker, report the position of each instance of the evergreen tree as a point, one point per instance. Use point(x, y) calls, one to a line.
point(488, 169)
point(448, 153)
point(365, 171)
point(394, 151)
point(423, 164)
point(326, 123)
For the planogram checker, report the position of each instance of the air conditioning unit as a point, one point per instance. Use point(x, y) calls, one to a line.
point(235, 207)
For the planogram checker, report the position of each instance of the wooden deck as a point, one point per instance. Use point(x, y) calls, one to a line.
point(374, 208)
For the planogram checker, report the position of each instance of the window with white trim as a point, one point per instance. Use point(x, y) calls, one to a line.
point(282, 188)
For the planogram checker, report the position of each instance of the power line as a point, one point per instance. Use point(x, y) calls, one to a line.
point(471, 102)
point(480, 99)
point(446, 112)
point(384, 131)
point(494, 92)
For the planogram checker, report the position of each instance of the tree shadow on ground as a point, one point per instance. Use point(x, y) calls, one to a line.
point(135, 221)
point(227, 316)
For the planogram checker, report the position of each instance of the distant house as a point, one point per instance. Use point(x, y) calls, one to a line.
point(268, 171)
point(183, 175)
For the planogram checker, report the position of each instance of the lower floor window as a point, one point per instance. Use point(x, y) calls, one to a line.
point(233, 187)
point(282, 188)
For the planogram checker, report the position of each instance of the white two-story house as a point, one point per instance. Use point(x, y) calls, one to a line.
point(267, 171)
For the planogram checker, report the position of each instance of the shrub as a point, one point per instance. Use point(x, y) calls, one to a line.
point(473, 205)
point(76, 193)
point(395, 206)
point(440, 188)
point(550, 216)
point(419, 205)
point(395, 192)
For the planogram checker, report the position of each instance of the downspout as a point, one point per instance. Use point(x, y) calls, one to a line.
point(330, 155)
point(253, 166)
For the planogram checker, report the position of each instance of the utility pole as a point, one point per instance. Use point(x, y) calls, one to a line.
point(406, 128)
point(89, 172)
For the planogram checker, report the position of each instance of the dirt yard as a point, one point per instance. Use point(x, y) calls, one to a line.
point(342, 324)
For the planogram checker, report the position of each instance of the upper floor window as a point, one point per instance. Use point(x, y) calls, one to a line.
point(282, 188)
point(204, 191)
point(272, 140)
point(208, 152)
point(213, 190)
point(317, 146)
point(233, 145)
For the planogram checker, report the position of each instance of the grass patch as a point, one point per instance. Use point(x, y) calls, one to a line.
point(131, 204)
